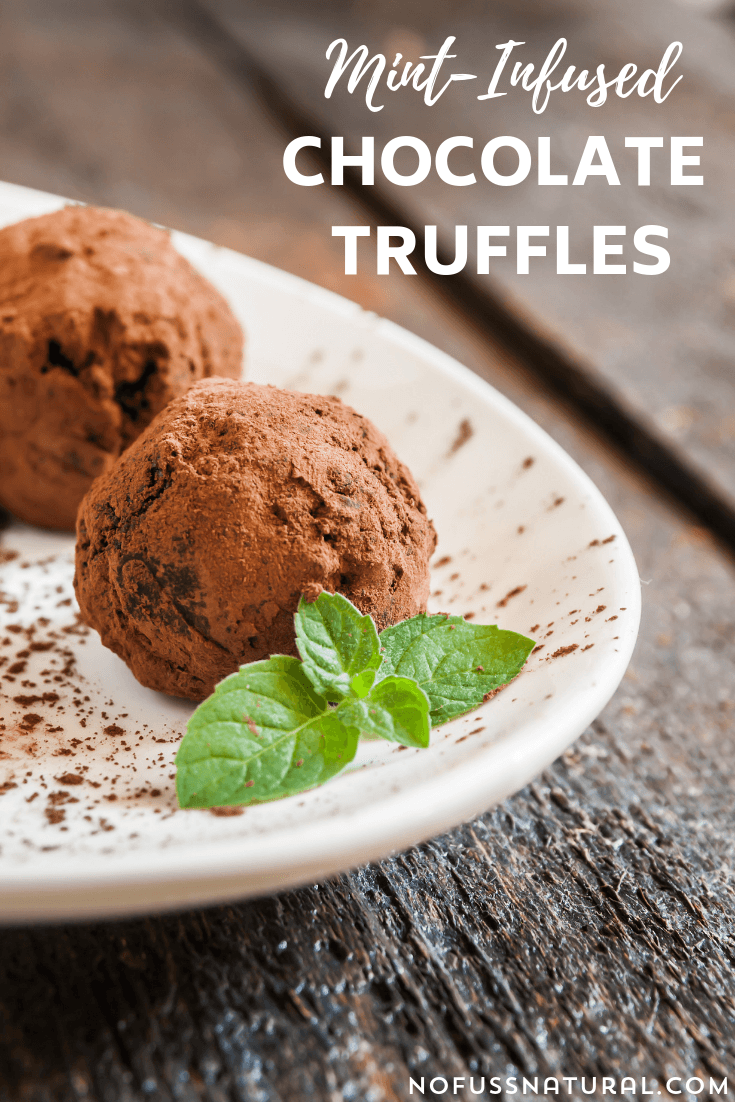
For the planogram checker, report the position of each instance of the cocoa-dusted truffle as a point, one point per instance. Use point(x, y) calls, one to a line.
point(102, 322)
point(193, 551)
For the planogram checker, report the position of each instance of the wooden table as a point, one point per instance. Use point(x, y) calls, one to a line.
point(586, 926)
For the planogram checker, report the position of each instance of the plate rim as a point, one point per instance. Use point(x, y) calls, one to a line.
point(392, 822)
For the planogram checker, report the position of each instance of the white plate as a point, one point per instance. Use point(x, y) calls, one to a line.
point(504, 522)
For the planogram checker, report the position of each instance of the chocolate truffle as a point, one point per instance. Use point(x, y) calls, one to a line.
point(102, 323)
point(193, 551)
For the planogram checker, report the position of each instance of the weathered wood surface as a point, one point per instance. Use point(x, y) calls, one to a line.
point(661, 347)
point(585, 927)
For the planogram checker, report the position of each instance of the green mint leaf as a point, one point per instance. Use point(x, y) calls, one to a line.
point(362, 682)
point(456, 663)
point(264, 733)
point(396, 709)
point(338, 645)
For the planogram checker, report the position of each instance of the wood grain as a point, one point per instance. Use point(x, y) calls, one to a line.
point(661, 348)
point(585, 927)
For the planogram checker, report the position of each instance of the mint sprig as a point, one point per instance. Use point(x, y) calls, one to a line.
point(281, 726)
point(456, 663)
point(339, 646)
point(262, 734)
point(397, 709)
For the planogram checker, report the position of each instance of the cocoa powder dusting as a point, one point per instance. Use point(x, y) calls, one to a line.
point(465, 432)
point(563, 651)
point(95, 770)
point(509, 595)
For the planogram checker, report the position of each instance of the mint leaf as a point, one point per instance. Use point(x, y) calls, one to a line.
point(456, 663)
point(268, 730)
point(264, 733)
point(338, 645)
point(396, 709)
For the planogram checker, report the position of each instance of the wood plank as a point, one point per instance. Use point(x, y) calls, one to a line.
point(584, 927)
point(661, 348)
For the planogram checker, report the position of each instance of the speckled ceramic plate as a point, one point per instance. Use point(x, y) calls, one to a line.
point(88, 816)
